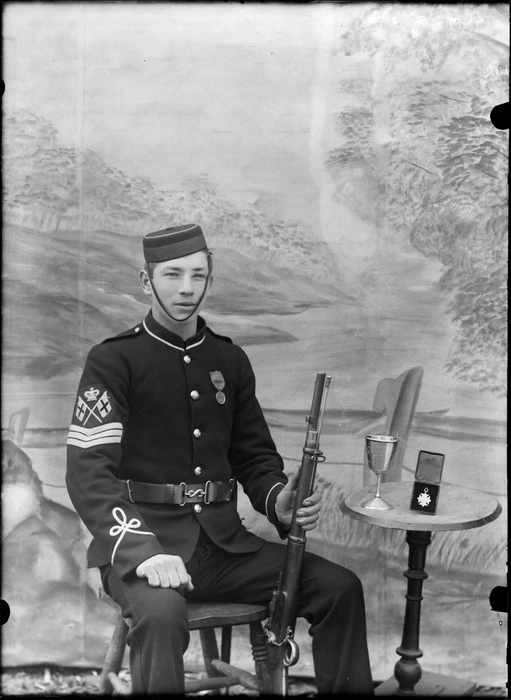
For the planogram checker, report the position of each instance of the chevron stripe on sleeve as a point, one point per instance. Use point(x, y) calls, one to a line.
point(105, 434)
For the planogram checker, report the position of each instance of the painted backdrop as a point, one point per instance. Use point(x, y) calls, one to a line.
point(343, 165)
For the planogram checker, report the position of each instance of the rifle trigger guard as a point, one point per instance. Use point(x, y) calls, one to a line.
point(292, 653)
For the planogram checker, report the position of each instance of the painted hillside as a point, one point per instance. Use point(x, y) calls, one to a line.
point(93, 286)
point(72, 244)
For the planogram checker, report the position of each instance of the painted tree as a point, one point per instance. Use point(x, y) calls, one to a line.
point(39, 173)
point(51, 186)
point(440, 178)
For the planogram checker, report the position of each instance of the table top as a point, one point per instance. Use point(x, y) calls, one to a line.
point(458, 508)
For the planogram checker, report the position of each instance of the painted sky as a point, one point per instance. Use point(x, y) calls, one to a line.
point(174, 90)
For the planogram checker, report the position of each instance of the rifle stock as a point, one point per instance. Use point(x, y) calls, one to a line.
point(280, 626)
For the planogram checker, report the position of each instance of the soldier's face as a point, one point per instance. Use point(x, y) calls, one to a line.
point(180, 283)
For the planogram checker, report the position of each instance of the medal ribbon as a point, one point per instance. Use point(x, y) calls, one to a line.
point(217, 379)
point(218, 382)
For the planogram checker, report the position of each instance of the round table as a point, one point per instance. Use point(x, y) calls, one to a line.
point(458, 508)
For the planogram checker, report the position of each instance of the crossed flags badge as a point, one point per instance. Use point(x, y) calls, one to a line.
point(89, 429)
point(92, 407)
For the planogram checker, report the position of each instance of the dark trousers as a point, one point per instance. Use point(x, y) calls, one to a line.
point(331, 600)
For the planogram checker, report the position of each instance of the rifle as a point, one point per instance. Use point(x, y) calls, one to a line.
point(279, 629)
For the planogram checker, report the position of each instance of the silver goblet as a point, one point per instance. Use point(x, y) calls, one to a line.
point(380, 450)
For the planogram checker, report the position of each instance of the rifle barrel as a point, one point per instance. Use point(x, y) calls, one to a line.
point(283, 609)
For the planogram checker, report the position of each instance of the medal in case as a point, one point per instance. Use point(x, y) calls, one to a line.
point(426, 487)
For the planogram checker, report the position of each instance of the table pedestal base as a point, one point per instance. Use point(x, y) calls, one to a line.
point(430, 684)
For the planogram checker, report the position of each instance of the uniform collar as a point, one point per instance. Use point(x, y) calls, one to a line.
point(156, 330)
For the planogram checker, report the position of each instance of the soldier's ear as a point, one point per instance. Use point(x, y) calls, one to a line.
point(143, 278)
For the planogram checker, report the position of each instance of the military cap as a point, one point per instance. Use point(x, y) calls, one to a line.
point(173, 242)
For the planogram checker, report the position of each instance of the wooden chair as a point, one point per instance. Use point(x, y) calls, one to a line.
point(204, 617)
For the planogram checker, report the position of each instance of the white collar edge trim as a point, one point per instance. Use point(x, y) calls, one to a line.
point(176, 347)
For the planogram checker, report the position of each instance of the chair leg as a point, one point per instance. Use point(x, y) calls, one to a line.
point(114, 655)
point(226, 644)
point(209, 649)
point(260, 655)
point(210, 653)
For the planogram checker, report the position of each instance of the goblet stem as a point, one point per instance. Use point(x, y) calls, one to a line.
point(377, 502)
point(378, 479)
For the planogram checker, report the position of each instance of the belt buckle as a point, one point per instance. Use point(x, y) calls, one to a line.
point(129, 491)
point(232, 483)
point(183, 494)
point(205, 498)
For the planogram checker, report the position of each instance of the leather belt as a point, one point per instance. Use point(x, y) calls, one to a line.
point(179, 494)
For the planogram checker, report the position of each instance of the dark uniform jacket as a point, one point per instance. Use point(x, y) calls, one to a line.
point(146, 410)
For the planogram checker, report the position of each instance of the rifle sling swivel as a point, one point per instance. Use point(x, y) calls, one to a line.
point(316, 455)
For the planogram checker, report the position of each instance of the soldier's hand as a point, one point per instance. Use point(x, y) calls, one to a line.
point(307, 515)
point(167, 571)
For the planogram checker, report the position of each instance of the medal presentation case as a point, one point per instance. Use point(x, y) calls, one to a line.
point(426, 487)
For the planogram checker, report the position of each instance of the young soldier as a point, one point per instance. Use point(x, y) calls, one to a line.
point(165, 419)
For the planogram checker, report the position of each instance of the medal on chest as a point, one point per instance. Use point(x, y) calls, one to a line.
point(218, 381)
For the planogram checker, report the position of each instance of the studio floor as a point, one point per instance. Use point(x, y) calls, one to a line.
point(60, 681)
